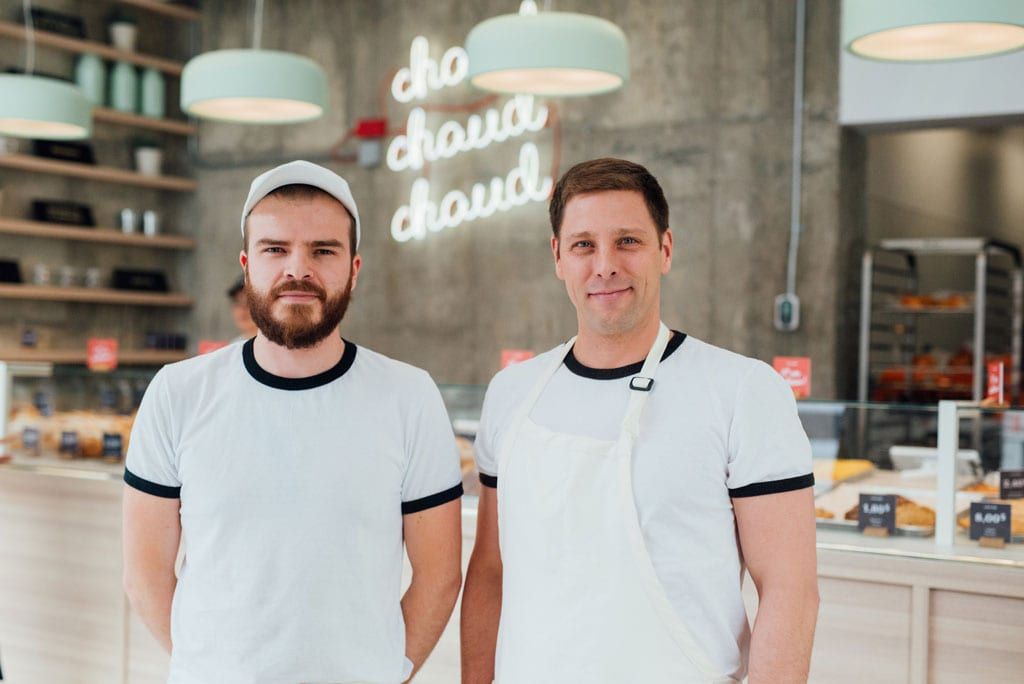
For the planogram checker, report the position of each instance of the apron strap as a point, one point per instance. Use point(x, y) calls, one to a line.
point(642, 384)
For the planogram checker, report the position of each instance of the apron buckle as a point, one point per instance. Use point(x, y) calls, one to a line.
point(641, 384)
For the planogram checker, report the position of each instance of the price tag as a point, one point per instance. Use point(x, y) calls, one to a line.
point(41, 400)
point(990, 521)
point(994, 389)
point(796, 371)
point(877, 514)
point(207, 346)
point(513, 356)
point(1011, 484)
point(69, 443)
point(30, 439)
point(113, 447)
point(101, 354)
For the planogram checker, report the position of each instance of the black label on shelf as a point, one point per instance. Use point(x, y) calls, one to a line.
point(30, 439)
point(69, 442)
point(41, 400)
point(877, 511)
point(990, 520)
point(113, 446)
point(1011, 484)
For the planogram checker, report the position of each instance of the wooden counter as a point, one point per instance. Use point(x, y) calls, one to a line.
point(893, 610)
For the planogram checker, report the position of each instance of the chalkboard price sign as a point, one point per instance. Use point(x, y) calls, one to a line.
point(112, 446)
point(990, 521)
point(30, 439)
point(1011, 484)
point(877, 514)
point(69, 443)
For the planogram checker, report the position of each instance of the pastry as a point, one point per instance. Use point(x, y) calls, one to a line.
point(845, 468)
point(822, 513)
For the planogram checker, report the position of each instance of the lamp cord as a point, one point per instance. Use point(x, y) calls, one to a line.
point(30, 38)
point(257, 25)
point(798, 127)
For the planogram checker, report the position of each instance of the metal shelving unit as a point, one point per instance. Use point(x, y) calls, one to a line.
point(889, 331)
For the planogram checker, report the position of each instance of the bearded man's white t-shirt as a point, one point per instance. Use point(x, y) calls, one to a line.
point(292, 495)
point(716, 426)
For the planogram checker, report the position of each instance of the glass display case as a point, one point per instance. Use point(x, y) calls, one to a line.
point(935, 461)
point(68, 417)
point(464, 403)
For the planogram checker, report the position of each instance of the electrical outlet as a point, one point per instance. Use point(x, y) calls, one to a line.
point(787, 312)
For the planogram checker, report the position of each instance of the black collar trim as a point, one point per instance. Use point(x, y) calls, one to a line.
point(622, 371)
point(313, 381)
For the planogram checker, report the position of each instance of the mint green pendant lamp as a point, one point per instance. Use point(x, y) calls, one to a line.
point(254, 86)
point(38, 107)
point(552, 54)
point(43, 108)
point(932, 30)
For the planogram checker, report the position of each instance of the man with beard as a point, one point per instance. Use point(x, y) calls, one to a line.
point(291, 468)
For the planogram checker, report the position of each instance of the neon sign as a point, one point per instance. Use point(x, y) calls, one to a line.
point(522, 185)
point(420, 144)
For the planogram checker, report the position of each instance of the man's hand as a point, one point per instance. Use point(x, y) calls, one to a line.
point(151, 529)
point(481, 600)
point(433, 541)
point(777, 538)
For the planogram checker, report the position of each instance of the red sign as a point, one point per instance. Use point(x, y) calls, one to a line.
point(996, 382)
point(207, 346)
point(511, 356)
point(101, 354)
point(796, 370)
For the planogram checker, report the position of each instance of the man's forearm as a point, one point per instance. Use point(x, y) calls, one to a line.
point(481, 612)
point(780, 646)
point(426, 607)
point(151, 598)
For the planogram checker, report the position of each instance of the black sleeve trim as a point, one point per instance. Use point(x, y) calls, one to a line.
point(489, 480)
point(774, 487)
point(133, 480)
point(432, 500)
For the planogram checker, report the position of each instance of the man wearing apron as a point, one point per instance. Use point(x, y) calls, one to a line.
point(631, 475)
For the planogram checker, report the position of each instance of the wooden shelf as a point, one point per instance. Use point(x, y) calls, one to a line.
point(92, 295)
point(125, 357)
point(108, 236)
point(113, 116)
point(167, 9)
point(104, 174)
point(78, 46)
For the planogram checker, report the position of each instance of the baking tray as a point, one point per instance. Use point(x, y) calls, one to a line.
point(851, 526)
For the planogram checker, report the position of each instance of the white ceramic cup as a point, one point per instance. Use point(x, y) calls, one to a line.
point(123, 35)
point(148, 160)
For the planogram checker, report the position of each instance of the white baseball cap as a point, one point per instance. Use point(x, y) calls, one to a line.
point(302, 173)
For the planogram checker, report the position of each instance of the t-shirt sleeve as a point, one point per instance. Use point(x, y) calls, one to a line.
point(768, 449)
point(151, 465)
point(432, 475)
point(485, 445)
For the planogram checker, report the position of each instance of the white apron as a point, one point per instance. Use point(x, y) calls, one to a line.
point(580, 598)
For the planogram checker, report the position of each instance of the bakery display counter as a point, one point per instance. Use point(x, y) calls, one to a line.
point(927, 602)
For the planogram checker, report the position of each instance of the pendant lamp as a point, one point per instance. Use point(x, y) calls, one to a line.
point(548, 54)
point(38, 107)
point(254, 86)
point(932, 30)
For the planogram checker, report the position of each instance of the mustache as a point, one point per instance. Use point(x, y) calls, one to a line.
point(299, 286)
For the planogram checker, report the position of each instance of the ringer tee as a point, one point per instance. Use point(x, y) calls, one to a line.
point(292, 495)
point(717, 426)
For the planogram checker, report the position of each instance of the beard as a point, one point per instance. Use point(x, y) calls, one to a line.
point(298, 327)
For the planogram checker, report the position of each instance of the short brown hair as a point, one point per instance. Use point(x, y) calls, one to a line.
point(298, 192)
point(608, 173)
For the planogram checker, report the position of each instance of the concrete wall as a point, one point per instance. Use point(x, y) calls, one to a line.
point(707, 109)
